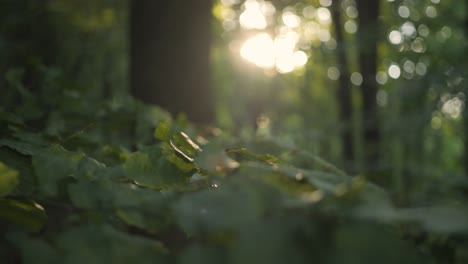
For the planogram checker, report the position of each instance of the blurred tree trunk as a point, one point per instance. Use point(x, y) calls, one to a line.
point(367, 45)
point(343, 93)
point(465, 111)
point(170, 56)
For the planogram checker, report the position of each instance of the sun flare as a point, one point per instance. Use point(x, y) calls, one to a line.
point(271, 52)
point(266, 52)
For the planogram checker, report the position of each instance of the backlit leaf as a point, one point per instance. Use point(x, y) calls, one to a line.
point(27, 214)
point(163, 132)
point(8, 179)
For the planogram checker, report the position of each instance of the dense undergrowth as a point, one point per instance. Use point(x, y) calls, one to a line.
point(123, 182)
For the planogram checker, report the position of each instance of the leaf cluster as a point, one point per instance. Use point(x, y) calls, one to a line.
point(193, 195)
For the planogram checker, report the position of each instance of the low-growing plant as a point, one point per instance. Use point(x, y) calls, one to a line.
point(173, 193)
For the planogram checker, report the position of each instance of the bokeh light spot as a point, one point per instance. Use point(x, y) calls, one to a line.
point(418, 45)
point(394, 71)
point(309, 12)
point(324, 15)
point(431, 12)
point(421, 68)
point(409, 66)
point(423, 30)
point(351, 12)
point(326, 3)
point(356, 78)
point(453, 107)
point(404, 11)
point(300, 58)
point(351, 26)
point(395, 37)
point(408, 29)
point(290, 19)
point(381, 77)
point(333, 73)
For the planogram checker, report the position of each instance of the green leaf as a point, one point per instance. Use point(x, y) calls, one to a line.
point(147, 119)
point(150, 222)
point(181, 164)
point(27, 214)
point(306, 160)
point(22, 164)
point(267, 158)
point(89, 168)
point(92, 194)
point(324, 181)
point(35, 250)
point(54, 165)
point(24, 148)
point(96, 244)
point(152, 167)
point(186, 144)
point(8, 179)
point(232, 205)
point(25, 143)
point(213, 159)
point(162, 132)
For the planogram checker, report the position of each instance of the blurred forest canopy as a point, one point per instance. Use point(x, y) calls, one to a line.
point(396, 111)
point(376, 87)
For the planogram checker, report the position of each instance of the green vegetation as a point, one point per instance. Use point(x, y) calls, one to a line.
point(178, 199)
point(285, 174)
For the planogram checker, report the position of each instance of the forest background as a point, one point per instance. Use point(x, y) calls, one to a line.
point(377, 88)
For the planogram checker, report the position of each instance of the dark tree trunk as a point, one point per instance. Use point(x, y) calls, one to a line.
point(343, 93)
point(465, 111)
point(367, 45)
point(169, 56)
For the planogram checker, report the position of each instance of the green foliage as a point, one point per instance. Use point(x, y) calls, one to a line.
point(198, 199)
point(8, 179)
point(153, 167)
point(26, 214)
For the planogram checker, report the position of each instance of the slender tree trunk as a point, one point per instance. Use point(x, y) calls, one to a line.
point(170, 56)
point(367, 45)
point(343, 93)
point(465, 111)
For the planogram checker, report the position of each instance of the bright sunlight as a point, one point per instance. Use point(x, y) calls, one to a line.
point(263, 50)
point(280, 53)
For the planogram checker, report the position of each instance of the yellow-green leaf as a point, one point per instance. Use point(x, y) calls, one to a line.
point(27, 214)
point(162, 132)
point(8, 179)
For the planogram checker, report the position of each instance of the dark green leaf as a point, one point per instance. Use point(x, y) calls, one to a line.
point(53, 165)
point(103, 244)
point(35, 250)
